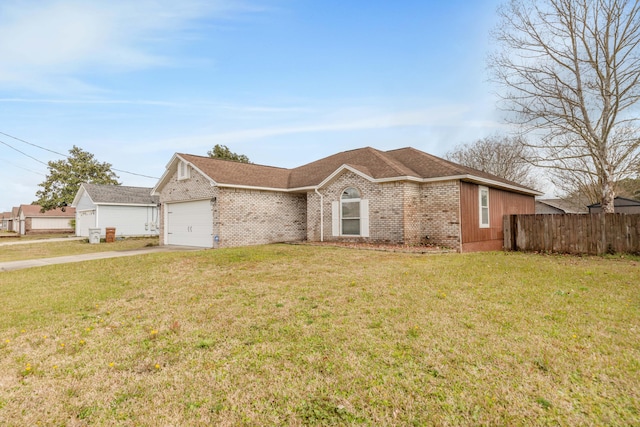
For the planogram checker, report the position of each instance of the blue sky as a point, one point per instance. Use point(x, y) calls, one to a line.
point(285, 82)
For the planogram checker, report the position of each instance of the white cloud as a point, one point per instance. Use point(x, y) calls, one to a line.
point(339, 121)
point(40, 42)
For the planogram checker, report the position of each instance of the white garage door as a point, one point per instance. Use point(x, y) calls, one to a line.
point(190, 224)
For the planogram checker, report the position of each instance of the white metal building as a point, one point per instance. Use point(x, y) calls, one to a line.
point(132, 211)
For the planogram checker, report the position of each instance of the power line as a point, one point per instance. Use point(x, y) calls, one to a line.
point(133, 173)
point(60, 154)
point(34, 145)
point(23, 153)
point(22, 167)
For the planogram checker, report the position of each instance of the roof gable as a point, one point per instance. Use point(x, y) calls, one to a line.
point(370, 161)
point(241, 174)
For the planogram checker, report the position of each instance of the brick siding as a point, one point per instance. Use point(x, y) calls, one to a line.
point(441, 213)
point(241, 217)
point(254, 217)
point(400, 212)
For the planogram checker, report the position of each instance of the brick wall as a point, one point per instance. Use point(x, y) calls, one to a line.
point(399, 212)
point(413, 211)
point(253, 217)
point(386, 213)
point(385, 209)
point(313, 217)
point(441, 213)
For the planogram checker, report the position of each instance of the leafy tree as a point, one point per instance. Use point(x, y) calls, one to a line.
point(65, 176)
point(503, 156)
point(223, 152)
point(569, 73)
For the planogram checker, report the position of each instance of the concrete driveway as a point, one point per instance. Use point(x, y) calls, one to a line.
point(29, 263)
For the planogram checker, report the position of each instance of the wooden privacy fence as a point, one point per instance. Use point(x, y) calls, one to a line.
point(593, 234)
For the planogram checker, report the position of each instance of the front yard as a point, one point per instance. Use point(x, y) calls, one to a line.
point(43, 249)
point(292, 335)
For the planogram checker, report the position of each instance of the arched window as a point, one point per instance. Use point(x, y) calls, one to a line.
point(350, 212)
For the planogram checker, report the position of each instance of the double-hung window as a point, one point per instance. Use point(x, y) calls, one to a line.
point(484, 206)
point(350, 212)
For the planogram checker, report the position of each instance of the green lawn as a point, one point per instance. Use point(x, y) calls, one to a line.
point(295, 335)
point(73, 247)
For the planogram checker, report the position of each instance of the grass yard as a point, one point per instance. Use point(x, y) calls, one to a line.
point(10, 236)
point(303, 335)
point(73, 247)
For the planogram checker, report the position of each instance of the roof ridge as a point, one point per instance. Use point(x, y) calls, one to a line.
point(434, 157)
point(207, 158)
point(393, 163)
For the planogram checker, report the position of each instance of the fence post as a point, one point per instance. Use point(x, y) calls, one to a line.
point(506, 231)
point(602, 247)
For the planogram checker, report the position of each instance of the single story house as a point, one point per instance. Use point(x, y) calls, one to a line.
point(560, 206)
point(402, 196)
point(33, 220)
point(14, 220)
point(132, 211)
point(620, 205)
point(5, 221)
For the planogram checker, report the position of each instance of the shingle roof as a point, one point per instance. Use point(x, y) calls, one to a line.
point(35, 211)
point(400, 163)
point(377, 164)
point(619, 202)
point(247, 174)
point(566, 206)
point(120, 194)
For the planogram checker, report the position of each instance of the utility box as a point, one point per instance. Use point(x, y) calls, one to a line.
point(94, 236)
point(111, 234)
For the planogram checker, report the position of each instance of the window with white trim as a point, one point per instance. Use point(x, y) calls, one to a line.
point(183, 170)
point(350, 212)
point(483, 193)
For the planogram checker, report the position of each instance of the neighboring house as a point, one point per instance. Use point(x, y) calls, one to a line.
point(14, 221)
point(132, 211)
point(402, 196)
point(620, 205)
point(33, 220)
point(5, 220)
point(559, 206)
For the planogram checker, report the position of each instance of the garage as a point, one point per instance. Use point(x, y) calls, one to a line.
point(190, 224)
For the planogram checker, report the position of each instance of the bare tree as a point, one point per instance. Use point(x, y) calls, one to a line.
point(569, 71)
point(574, 188)
point(503, 156)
